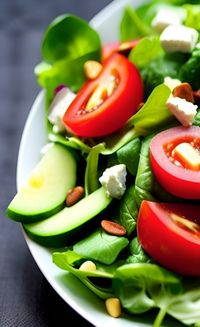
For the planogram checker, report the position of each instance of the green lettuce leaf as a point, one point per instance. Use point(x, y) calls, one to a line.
point(126, 210)
point(154, 114)
point(154, 73)
point(132, 26)
point(99, 281)
point(65, 71)
point(91, 172)
point(69, 37)
point(192, 16)
point(196, 120)
point(185, 307)
point(143, 286)
point(144, 179)
point(137, 253)
point(190, 71)
point(101, 247)
point(129, 155)
point(146, 50)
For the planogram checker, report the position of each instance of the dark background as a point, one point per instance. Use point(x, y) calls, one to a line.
point(26, 298)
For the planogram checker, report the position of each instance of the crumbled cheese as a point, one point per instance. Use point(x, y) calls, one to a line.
point(183, 110)
point(179, 38)
point(114, 181)
point(58, 107)
point(166, 17)
point(171, 82)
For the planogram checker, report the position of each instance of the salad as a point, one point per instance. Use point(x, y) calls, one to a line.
point(117, 188)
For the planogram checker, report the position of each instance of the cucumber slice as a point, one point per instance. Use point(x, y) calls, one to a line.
point(45, 191)
point(60, 228)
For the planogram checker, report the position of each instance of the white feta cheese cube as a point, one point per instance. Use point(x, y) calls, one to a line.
point(166, 17)
point(114, 181)
point(179, 38)
point(183, 110)
point(58, 107)
point(171, 82)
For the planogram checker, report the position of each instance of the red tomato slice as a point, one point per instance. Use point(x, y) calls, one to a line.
point(176, 179)
point(113, 47)
point(170, 234)
point(103, 105)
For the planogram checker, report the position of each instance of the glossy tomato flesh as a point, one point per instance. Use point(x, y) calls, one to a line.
point(176, 179)
point(115, 110)
point(170, 234)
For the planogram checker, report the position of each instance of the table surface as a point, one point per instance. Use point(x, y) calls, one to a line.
point(26, 298)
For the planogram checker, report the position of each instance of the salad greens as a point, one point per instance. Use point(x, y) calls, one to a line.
point(191, 69)
point(68, 42)
point(129, 155)
point(154, 112)
point(123, 269)
point(132, 26)
point(137, 253)
point(126, 211)
point(146, 50)
point(101, 246)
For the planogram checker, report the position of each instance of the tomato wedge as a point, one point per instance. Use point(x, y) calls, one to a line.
point(113, 47)
point(103, 105)
point(170, 234)
point(177, 177)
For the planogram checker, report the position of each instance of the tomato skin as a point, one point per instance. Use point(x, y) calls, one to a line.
point(113, 47)
point(112, 114)
point(179, 181)
point(167, 243)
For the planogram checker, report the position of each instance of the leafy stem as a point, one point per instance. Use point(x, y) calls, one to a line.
point(160, 316)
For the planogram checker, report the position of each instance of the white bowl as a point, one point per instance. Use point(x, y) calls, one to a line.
point(33, 138)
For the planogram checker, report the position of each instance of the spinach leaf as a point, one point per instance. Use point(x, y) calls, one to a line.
point(132, 26)
point(154, 73)
point(109, 145)
point(91, 172)
point(69, 42)
point(146, 50)
point(71, 142)
point(101, 246)
point(144, 178)
point(185, 307)
point(69, 37)
point(143, 286)
point(137, 253)
point(129, 155)
point(190, 71)
point(115, 141)
point(192, 16)
point(65, 71)
point(154, 113)
point(196, 120)
point(126, 211)
point(97, 281)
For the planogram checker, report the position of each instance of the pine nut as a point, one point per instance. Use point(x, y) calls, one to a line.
point(88, 266)
point(92, 69)
point(113, 307)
